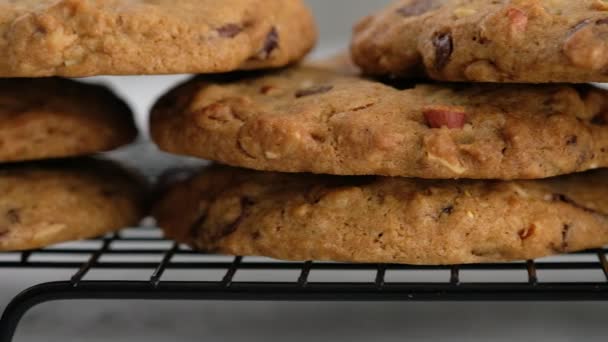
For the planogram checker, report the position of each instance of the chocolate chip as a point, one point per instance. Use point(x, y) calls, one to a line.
point(448, 210)
point(313, 91)
point(271, 43)
point(13, 216)
point(417, 7)
point(572, 140)
point(565, 231)
point(602, 21)
point(266, 89)
point(443, 49)
point(229, 30)
point(599, 120)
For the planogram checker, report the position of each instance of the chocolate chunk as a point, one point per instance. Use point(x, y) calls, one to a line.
point(418, 7)
point(443, 49)
point(313, 91)
point(271, 43)
point(229, 30)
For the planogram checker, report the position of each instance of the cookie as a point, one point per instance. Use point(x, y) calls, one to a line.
point(76, 38)
point(46, 203)
point(54, 117)
point(526, 41)
point(386, 220)
point(314, 120)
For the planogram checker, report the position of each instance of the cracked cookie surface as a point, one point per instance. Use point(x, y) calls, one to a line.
point(53, 117)
point(526, 41)
point(45, 203)
point(75, 38)
point(385, 220)
point(314, 120)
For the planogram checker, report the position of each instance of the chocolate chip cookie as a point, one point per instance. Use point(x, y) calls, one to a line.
point(385, 220)
point(123, 37)
point(527, 41)
point(54, 117)
point(44, 203)
point(313, 120)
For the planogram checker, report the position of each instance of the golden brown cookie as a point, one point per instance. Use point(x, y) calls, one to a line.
point(53, 117)
point(385, 220)
point(122, 37)
point(49, 202)
point(315, 120)
point(527, 41)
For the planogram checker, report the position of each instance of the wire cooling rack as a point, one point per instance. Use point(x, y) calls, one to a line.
point(174, 272)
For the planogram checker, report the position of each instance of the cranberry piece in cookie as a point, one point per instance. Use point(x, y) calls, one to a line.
point(518, 20)
point(444, 116)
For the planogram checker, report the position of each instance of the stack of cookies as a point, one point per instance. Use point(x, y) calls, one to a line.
point(52, 192)
point(49, 195)
point(43, 117)
point(349, 168)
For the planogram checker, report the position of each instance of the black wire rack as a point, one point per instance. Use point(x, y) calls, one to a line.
point(577, 277)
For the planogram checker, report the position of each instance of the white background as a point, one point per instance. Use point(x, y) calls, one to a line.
point(205, 321)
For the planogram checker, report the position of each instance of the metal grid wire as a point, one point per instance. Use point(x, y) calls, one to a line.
point(144, 249)
point(174, 272)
